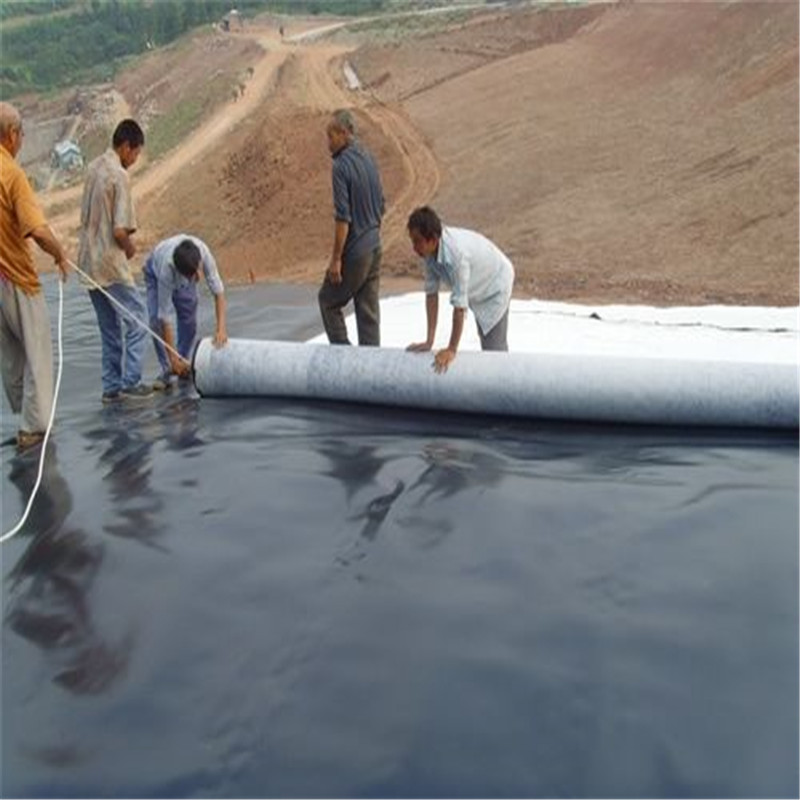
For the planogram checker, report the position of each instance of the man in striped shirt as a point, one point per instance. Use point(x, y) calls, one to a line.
point(108, 222)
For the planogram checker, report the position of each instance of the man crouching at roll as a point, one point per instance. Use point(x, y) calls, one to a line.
point(479, 275)
point(171, 274)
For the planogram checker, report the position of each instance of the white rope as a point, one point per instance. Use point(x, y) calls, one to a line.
point(6, 536)
point(126, 311)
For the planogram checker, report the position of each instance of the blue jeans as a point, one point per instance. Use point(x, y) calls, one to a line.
point(184, 299)
point(122, 339)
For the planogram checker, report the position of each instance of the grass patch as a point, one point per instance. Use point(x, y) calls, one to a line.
point(170, 128)
point(17, 13)
point(95, 142)
point(393, 27)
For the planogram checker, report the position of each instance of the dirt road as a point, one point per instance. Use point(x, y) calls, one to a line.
point(315, 87)
point(155, 178)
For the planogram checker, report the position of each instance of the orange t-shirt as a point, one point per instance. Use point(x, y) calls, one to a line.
point(19, 216)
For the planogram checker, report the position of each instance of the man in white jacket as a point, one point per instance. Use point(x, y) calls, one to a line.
point(479, 275)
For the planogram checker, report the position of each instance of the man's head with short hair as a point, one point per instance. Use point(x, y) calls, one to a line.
point(424, 230)
point(127, 141)
point(186, 257)
point(128, 131)
point(341, 130)
point(11, 131)
point(344, 120)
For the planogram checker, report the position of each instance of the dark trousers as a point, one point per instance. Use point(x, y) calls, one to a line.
point(497, 338)
point(361, 284)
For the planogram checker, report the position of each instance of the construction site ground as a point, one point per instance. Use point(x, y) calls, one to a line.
point(619, 153)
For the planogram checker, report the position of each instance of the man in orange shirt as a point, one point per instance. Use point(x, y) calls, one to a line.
point(27, 363)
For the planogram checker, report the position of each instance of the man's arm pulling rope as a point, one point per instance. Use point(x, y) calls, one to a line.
point(127, 313)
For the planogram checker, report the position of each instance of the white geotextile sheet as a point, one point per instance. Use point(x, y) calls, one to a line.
point(709, 366)
point(710, 333)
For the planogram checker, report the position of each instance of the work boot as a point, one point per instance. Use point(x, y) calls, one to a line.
point(139, 392)
point(109, 398)
point(28, 439)
point(163, 382)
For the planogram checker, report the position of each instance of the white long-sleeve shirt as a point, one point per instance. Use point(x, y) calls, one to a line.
point(479, 274)
point(167, 276)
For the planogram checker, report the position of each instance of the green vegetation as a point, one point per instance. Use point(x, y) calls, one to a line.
point(95, 143)
point(166, 131)
point(55, 50)
point(61, 50)
point(344, 8)
point(11, 9)
point(398, 26)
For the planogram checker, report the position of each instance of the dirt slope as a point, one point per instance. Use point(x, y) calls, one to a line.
point(263, 195)
point(159, 81)
point(619, 153)
point(651, 157)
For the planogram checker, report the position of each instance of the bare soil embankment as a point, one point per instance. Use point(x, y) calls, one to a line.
point(263, 196)
point(619, 153)
point(648, 155)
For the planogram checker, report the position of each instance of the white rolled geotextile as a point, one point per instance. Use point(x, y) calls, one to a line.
point(532, 385)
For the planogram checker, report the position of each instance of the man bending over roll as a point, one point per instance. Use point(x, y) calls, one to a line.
point(171, 273)
point(479, 274)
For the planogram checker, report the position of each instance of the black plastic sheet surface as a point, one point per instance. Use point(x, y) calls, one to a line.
point(252, 598)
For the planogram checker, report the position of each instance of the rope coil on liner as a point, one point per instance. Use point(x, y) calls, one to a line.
point(6, 536)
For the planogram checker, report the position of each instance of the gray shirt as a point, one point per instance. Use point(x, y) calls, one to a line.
point(358, 199)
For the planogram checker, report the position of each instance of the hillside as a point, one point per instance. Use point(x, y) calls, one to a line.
point(653, 156)
point(623, 152)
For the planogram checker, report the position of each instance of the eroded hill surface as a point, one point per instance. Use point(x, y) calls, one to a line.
point(651, 156)
point(625, 152)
